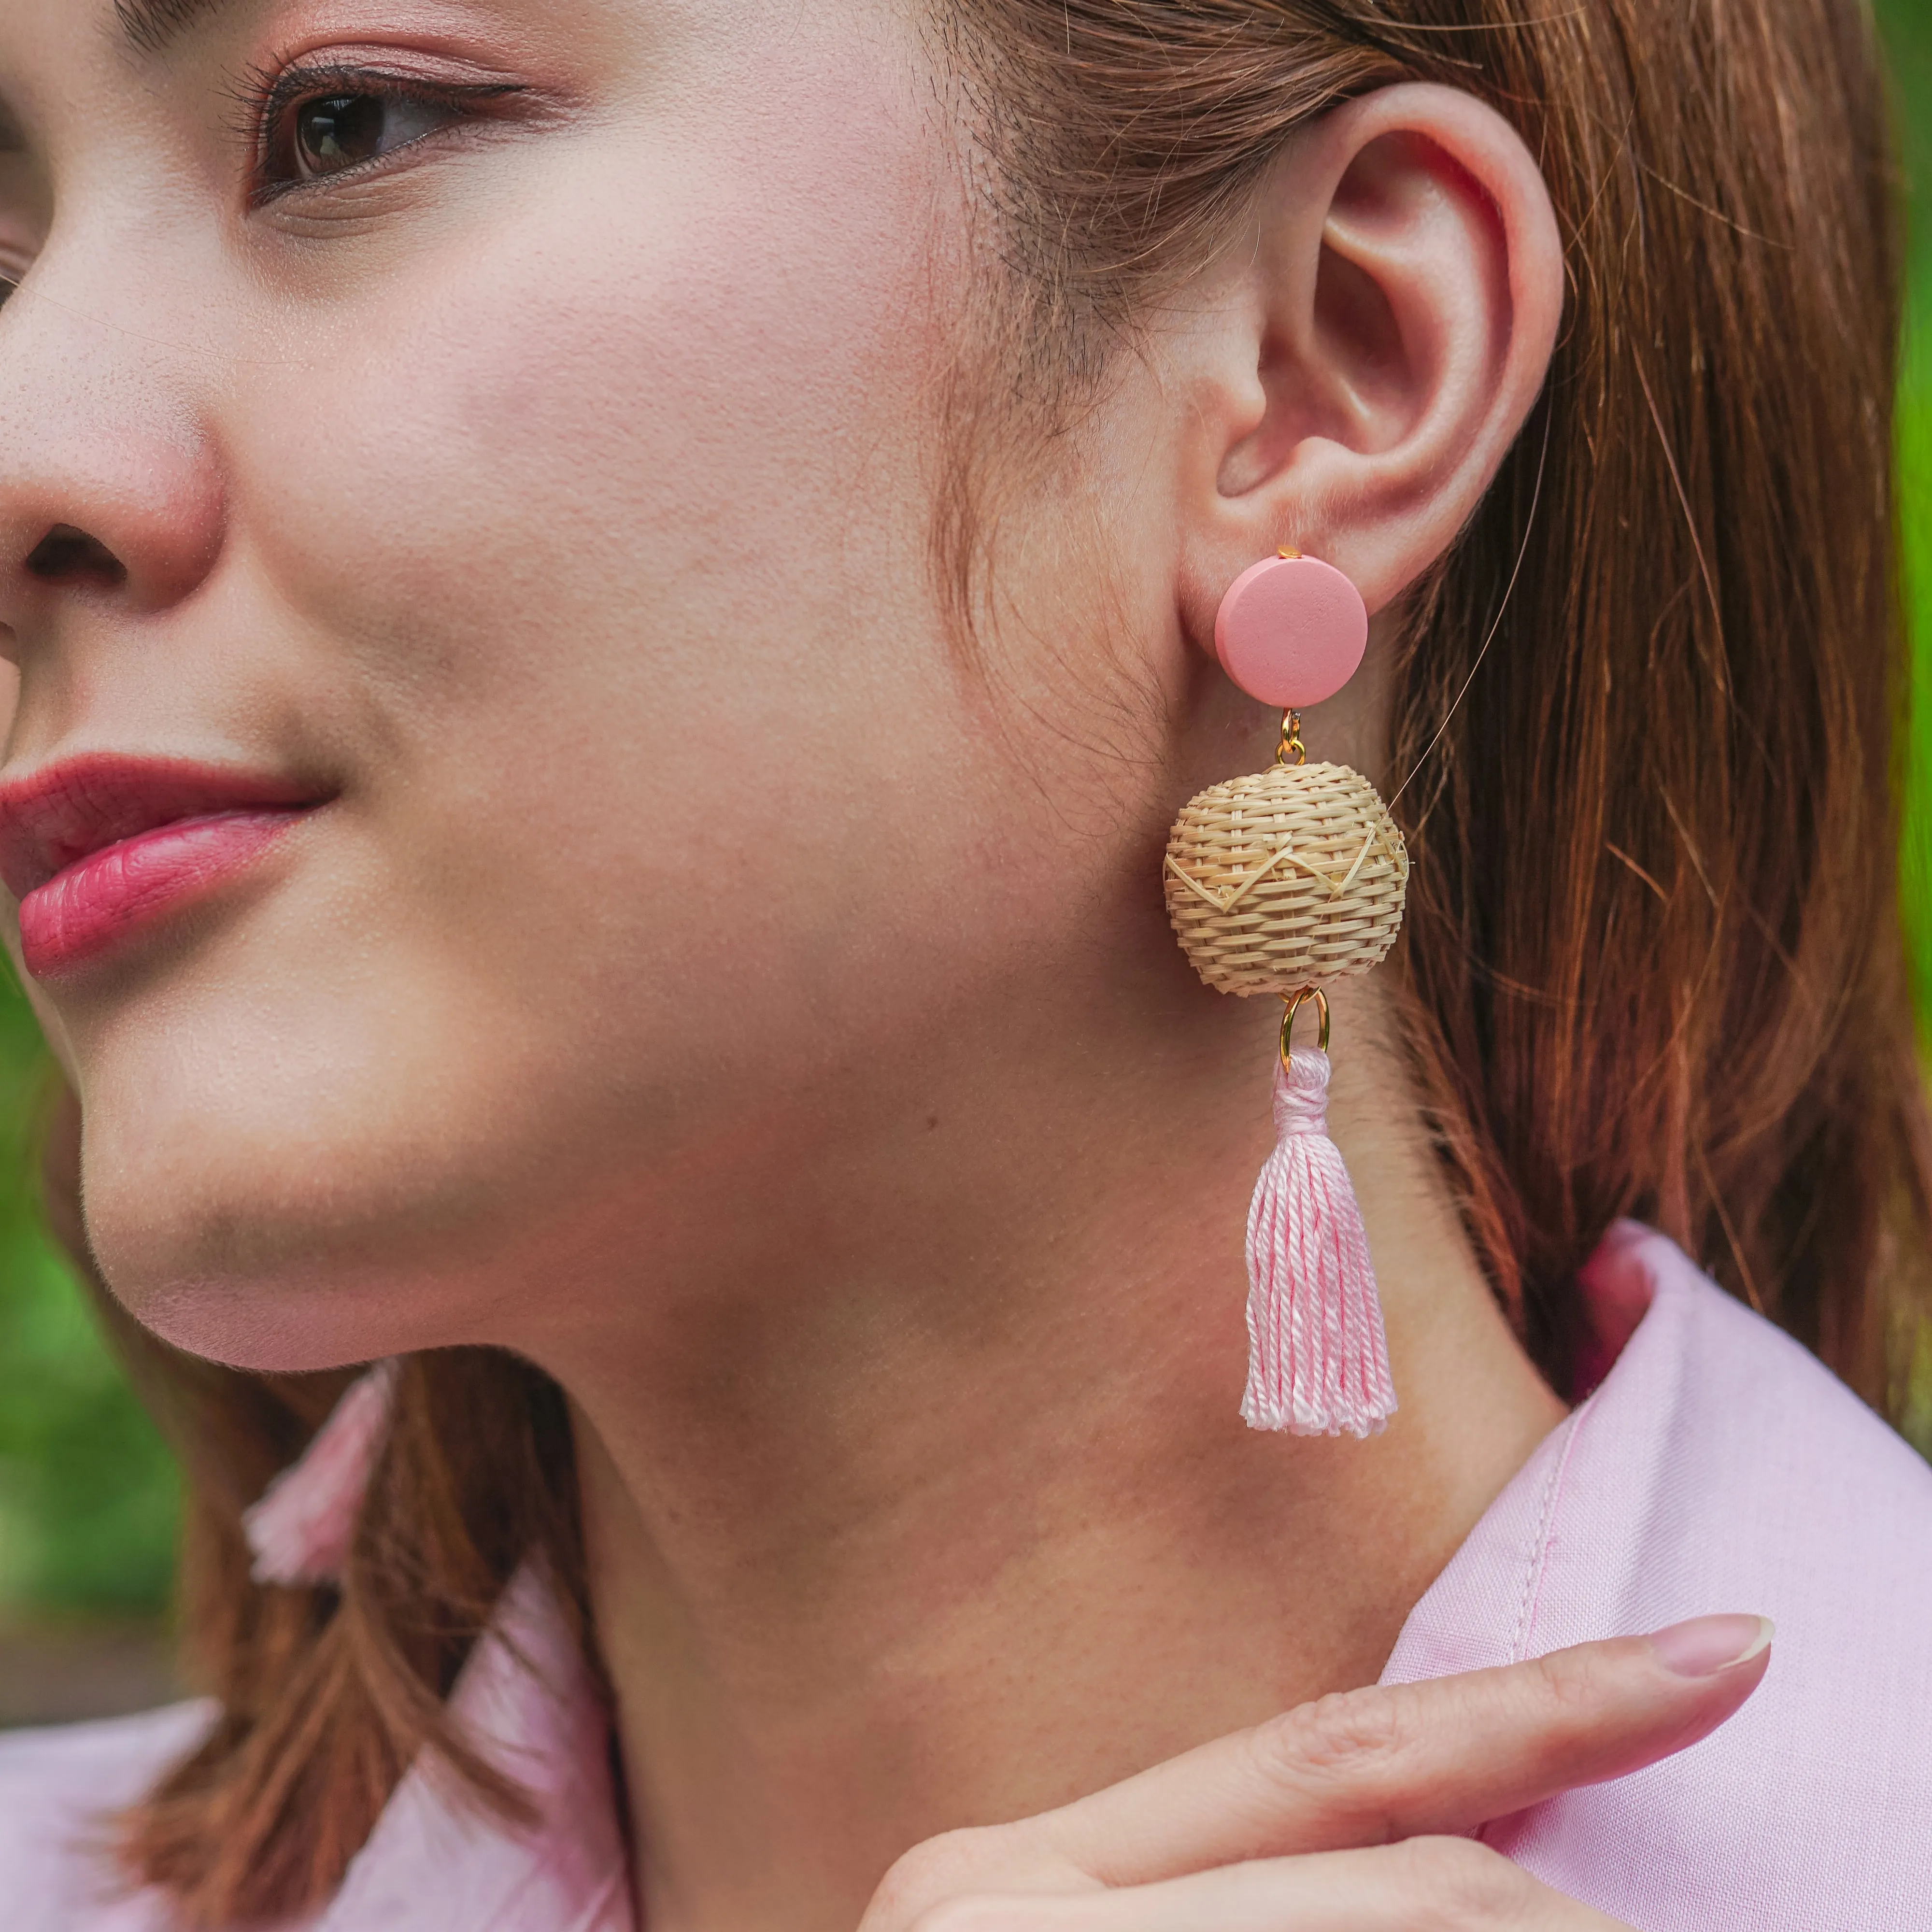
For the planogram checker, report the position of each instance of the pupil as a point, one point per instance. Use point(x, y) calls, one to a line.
point(336, 134)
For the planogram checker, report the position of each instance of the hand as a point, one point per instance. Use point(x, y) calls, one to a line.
point(1334, 1818)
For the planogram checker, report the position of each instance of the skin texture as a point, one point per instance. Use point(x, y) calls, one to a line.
point(706, 976)
point(1335, 1815)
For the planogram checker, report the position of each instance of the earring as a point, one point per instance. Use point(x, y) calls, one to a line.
point(301, 1530)
point(1284, 883)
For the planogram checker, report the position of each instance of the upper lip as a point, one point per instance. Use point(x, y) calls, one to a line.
point(54, 817)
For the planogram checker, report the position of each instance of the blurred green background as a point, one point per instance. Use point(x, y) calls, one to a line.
point(1907, 25)
point(88, 1496)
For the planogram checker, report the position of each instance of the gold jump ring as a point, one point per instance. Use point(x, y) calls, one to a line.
point(1294, 1002)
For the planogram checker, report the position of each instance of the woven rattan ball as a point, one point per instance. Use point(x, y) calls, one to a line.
point(1292, 878)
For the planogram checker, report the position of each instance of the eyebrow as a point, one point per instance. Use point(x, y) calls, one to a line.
point(149, 25)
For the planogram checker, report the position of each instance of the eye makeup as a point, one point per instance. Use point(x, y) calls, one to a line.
point(317, 120)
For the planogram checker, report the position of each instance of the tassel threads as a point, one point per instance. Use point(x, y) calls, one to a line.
point(1318, 1361)
point(300, 1530)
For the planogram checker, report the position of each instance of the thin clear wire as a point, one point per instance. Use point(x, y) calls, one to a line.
point(1529, 525)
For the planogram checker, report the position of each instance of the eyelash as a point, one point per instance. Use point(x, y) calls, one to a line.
point(270, 100)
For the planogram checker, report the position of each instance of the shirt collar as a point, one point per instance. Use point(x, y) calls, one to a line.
point(438, 1860)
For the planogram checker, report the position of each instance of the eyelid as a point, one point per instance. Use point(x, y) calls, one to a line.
point(269, 96)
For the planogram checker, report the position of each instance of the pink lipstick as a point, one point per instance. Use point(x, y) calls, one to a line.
point(99, 848)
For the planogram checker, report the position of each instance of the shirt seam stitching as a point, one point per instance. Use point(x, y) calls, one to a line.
point(1533, 1573)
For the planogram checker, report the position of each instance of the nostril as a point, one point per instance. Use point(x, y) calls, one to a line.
point(66, 555)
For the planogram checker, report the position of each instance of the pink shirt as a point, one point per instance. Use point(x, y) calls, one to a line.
point(1717, 1467)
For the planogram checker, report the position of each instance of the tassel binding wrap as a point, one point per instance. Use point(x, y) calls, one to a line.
point(301, 1530)
point(1317, 1362)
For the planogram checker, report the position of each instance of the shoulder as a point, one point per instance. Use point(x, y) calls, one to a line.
point(59, 1790)
point(1721, 1467)
point(1728, 1458)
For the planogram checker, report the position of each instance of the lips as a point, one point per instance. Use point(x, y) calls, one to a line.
point(98, 849)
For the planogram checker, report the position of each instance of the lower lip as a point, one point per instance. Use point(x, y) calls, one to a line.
point(105, 899)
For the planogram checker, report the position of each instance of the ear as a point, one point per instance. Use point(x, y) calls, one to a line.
point(1372, 346)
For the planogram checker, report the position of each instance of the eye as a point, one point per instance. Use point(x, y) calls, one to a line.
point(334, 133)
point(317, 124)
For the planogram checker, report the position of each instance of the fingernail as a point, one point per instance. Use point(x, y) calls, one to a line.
point(1706, 1646)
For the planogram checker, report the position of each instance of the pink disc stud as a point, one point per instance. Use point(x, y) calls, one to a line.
point(1291, 631)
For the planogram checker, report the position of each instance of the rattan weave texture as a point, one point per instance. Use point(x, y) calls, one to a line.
point(1293, 877)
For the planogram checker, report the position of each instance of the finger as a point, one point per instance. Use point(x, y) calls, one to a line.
point(1424, 1884)
point(1367, 1767)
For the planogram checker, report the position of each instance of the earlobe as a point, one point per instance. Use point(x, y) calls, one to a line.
point(1403, 291)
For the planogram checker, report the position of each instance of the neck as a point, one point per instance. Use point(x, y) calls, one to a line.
point(949, 1516)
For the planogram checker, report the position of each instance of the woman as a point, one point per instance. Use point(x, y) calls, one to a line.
point(614, 599)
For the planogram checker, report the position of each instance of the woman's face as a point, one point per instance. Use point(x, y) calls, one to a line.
point(477, 458)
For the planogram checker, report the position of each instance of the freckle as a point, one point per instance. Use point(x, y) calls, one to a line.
point(932, 1121)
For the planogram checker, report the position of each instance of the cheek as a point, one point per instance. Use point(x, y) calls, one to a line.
point(602, 502)
point(591, 540)
point(651, 393)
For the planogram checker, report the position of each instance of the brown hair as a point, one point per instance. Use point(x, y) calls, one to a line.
point(1653, 956)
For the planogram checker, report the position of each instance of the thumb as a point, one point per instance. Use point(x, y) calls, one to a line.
point(1397, 1761)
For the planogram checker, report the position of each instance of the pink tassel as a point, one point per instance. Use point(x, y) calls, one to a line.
point(301, 1529)
point(1318, 1361)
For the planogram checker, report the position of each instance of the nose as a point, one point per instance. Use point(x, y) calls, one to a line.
point(110, 488)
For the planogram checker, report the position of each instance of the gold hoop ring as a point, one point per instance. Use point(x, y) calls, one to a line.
point(1294, 1002)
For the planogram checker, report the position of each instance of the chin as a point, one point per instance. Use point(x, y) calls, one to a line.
point(286, 1168)
point(265, 1326)
point(233, 1238)
point(244, 1277)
